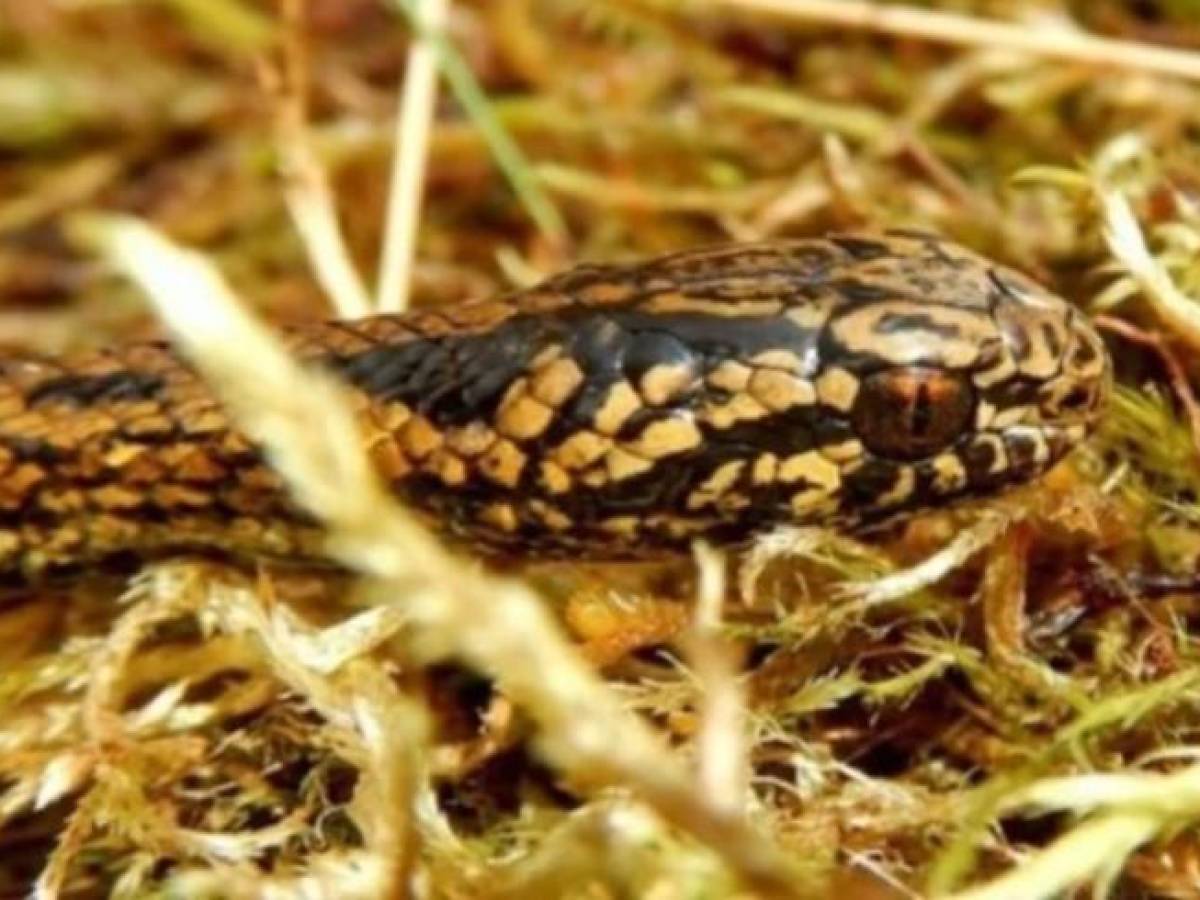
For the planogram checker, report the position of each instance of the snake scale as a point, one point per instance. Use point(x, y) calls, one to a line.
point(610, 412)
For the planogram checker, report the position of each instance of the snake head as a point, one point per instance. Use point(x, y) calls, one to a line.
point(968, 377)
point(1062, 374)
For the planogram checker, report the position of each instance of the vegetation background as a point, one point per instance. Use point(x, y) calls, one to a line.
point(1026, 728)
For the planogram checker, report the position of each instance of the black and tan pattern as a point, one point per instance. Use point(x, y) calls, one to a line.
point(610, 412)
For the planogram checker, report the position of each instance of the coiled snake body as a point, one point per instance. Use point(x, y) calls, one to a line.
point(610, 412)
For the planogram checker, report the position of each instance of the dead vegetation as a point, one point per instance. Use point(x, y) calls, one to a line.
point(1025, 726)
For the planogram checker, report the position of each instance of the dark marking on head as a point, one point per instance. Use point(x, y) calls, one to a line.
point(1083, 354)
point(990, 354)
point(894, 323)
point(915, 234)
point(1051, 337)
point(861, 291)
point(782, 434)
point(1022, 450)
point(1017, 339)
point(830, 429)
point(1016, 391)
point(1078, 399)
point(936, 247)
point(862, 487)
point(979, 458)
point(862, 248)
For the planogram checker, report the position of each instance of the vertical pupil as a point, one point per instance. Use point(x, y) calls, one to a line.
point(922, 411)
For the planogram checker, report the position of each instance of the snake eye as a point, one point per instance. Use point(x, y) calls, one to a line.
point(912, 412)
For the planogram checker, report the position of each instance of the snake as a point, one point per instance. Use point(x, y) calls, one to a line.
point(611, 412)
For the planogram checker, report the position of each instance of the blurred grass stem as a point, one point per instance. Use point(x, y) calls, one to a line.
point(414, 121)
point(475, 103)
point(307, 192)
point(950, 28)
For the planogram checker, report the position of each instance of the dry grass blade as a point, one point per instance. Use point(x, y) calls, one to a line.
point(934, 568)
point(497, 625)
point(313, 210)
point(505, 151)
point(1180, 313)
point(1096, 848)
point(413, 127)
point(1058, 43)
point(722, 762)
point(306, 189)
point(1135, 809)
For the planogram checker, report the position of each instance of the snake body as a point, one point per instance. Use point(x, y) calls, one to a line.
point(609, 412)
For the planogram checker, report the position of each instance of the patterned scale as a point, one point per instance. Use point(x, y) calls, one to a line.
point(610, 412)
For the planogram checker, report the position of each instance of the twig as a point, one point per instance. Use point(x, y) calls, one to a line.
point(907, 21)
point(1004, 596)
point(499, 626)
point(1129, 809)
point(943, 176)
point(410, 153)
point(1178, 312)
point(1088, 851)
point(933, 568)
point(306, 190)
point(1180, 383)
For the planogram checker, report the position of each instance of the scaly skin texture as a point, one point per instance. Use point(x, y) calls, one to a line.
point(611, 412)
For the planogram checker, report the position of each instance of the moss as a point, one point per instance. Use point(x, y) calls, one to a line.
point(221, 730)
